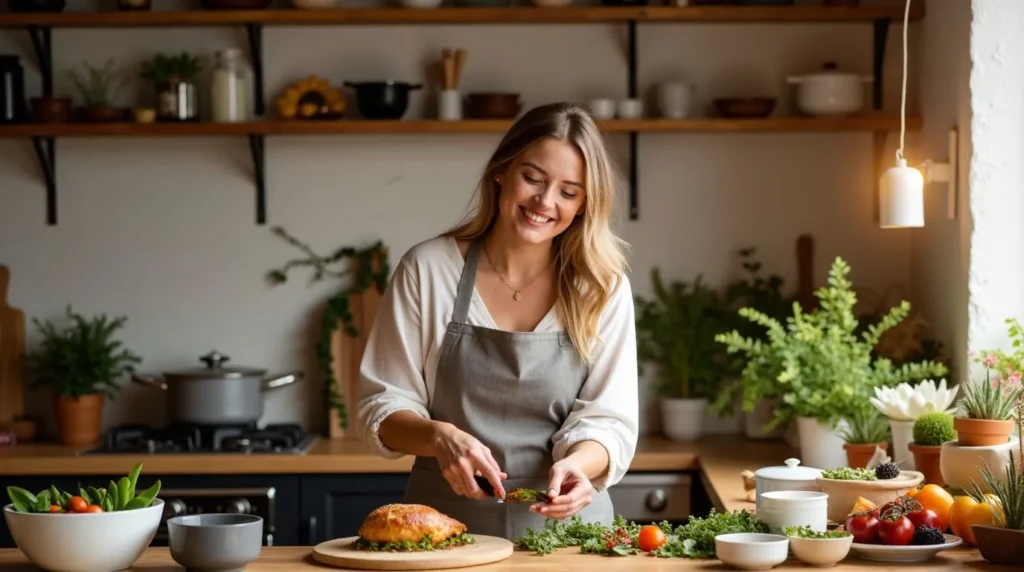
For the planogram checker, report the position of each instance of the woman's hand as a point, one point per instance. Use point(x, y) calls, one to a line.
point(461, 457)
point(569, 490)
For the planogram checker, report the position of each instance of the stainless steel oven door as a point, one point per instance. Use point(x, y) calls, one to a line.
point(652, 497)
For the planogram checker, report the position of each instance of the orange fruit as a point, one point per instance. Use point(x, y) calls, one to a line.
point(937, 499)
point(862, 504)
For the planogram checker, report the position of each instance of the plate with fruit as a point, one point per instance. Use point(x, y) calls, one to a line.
point(902, 530)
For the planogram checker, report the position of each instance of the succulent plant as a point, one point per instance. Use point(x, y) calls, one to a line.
point(907, 402)
point(933, 429)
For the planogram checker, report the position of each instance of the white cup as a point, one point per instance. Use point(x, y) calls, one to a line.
point(675, 99)
point(631, 109)
point(780, 509)
point(449, 105)
point(602, 108)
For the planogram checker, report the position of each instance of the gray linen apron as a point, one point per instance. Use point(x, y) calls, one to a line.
point(512, 391)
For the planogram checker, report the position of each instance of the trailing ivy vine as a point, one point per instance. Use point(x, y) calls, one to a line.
point(371, 270)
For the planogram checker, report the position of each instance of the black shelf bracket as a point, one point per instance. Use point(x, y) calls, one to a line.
point(46, 152)
point(42, 43)
point(259, 173)
point(881, 35)
point(255, 34)
point(634, 208)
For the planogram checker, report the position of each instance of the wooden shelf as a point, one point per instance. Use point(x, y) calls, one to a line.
point(867, 123)
point(523, 15)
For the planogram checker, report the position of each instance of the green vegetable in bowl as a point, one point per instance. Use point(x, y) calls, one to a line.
point(806, 532)
point(120, 495)
point(848, 474)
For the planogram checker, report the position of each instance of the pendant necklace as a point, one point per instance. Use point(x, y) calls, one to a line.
point(516, 293)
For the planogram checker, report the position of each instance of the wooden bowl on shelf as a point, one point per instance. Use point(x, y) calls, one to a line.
point(744, 107)
point(51, 109)
point(102, 114)
point(488, 105)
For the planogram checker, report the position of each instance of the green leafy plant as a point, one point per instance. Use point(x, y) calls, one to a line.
point(865, 426)
point(97, 86)
point(933, 429)
point(163, 68)
point(675, 332)
point(82, 358)
point(817, 362)
point(371, 270)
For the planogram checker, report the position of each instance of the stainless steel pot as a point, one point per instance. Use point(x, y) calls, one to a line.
point(216, 394)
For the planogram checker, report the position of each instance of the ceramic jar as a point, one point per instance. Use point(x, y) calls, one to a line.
point(780, 509)
point(790, 477)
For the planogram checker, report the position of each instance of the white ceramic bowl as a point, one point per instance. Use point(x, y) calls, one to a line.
point(751, 550)
point(91, 542)
point(780, 509)
point(821, 552)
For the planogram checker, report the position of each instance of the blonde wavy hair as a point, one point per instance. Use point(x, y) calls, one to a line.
point(589, 258)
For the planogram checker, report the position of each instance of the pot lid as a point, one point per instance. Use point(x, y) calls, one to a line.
point(215, 368)
point(791, 472)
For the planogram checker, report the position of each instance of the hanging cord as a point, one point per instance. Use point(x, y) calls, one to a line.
point(903, 97)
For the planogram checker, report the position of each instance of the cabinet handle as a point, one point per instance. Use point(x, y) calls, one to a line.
point(656, 500)
point(311, 530)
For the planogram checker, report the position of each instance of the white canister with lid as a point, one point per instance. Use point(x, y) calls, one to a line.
point(780, 509)
point(791, 477)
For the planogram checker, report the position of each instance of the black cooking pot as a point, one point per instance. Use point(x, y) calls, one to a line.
point(382, 99)
point(36, 5)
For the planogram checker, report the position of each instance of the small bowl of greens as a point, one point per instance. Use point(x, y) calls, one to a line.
point(92, 528)
point(818, 548)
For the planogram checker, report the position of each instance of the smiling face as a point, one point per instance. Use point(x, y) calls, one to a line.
point(542, 191)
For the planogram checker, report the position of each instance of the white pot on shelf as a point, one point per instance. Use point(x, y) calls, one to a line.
point(902, 437)
point(725, 425)
point(959, 464)
point(683, 419)
point(821, 447)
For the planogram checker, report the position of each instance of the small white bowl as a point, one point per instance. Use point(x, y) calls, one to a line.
point(62, 542)
point(821, 552)
point(751, 550)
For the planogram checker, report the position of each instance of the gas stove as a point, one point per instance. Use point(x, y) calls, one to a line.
point(289, 439)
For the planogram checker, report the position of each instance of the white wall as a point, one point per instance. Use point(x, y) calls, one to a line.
point(997, 173)
point(940, 250)
point(163, 229)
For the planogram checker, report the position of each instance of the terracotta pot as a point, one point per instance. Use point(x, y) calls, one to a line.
point(999, 546)
point(858, 454)
point(51, 109)
point(982, 432)
point(78, 419)
point(102, 114)
point(927, 460)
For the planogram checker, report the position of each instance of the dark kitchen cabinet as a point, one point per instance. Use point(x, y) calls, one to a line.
point(334, 506)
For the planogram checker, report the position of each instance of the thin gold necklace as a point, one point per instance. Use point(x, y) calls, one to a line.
point(516, 293)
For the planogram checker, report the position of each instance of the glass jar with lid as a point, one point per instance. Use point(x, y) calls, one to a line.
point(229, 87)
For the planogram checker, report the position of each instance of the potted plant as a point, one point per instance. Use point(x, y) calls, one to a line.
point(1004, 545)
point(931, 430)
point(988, 406)
point(98, 88)
point(823, 366)
point(903, 404)
point(866, 431)
point(82, 362)
point(676, 333)
point(763, 294)
point(174, 80)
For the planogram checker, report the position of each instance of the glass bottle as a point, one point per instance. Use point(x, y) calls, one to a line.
point(12, 90)
point(229, 87)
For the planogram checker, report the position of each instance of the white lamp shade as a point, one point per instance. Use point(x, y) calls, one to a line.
point(901, 192)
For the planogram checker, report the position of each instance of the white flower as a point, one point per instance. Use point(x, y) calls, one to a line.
point(906, 402)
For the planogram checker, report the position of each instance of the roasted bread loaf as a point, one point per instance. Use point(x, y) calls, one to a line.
point(409, 523)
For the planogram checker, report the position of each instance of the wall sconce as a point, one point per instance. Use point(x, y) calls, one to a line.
point(901, 189)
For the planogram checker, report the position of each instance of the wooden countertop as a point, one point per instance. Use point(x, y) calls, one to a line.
point(720, 459)
point(292, 558)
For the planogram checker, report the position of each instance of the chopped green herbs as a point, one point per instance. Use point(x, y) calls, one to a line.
point(806, 532)
point(423, 545)
point(848, 474)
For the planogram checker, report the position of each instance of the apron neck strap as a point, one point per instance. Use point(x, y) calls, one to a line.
point(467, 282)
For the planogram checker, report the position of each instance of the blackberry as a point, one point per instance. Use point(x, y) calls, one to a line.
point(888, 470)
point(924, 535)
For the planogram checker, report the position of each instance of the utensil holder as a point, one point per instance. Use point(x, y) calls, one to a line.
point(449, 105)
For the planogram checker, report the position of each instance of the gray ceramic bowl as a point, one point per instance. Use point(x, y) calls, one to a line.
point(215, 542)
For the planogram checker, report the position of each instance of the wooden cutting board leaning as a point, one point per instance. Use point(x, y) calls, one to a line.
point(486, 550)
point(12, 347)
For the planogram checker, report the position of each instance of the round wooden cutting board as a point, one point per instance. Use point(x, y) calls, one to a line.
point(339, 552)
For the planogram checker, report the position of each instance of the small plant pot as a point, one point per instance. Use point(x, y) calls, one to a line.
point(1000, 546)
point(982, 432)
point(51, 109)
point(927, 460)
point(102, 114)
point(683, 419)
point(858, 454)
point(79, 419)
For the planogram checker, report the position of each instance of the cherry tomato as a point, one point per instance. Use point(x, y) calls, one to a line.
point(924, 517)
point(55, 508)
point(863, 526)
point(78, 504)
point(895, 530)
point(94, 508)
point(650, 538)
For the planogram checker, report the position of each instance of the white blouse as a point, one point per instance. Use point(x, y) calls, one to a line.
point(400, 360)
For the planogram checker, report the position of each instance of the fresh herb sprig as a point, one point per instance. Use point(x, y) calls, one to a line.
point(848, 474)
point(807, 532)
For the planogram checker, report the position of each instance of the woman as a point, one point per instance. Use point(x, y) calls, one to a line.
point(505, 349)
